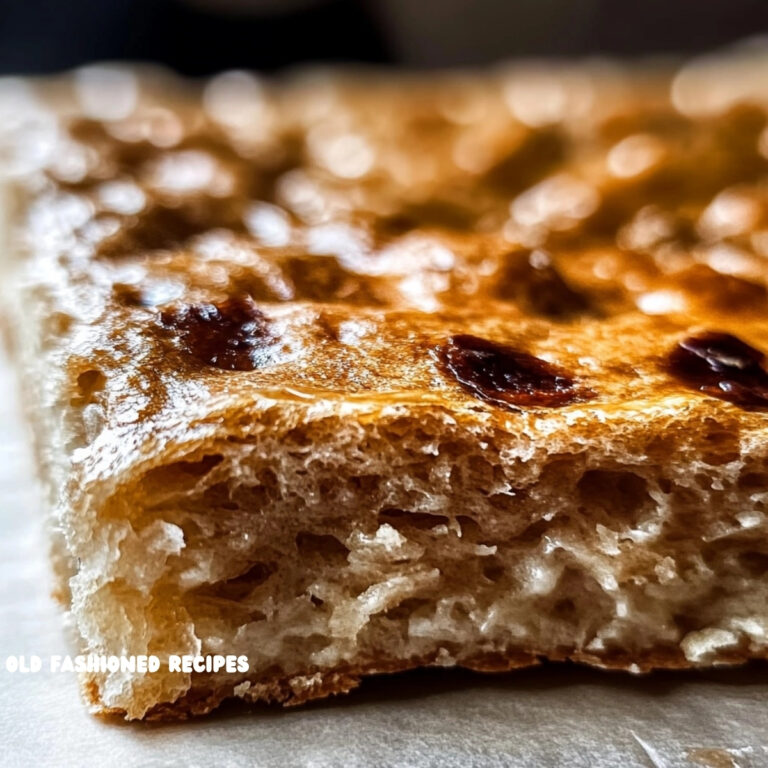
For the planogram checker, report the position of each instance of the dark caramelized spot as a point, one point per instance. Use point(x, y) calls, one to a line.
point(233, 335)
point(539, 154)
point(322, 278)
point(533, 281)
point(506, 377)
point(166, 228)
point(443, 214)
point(131, 295)
point(721, 365)
point(727, 293)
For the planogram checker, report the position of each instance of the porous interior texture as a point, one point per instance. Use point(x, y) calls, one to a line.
point(349, 544)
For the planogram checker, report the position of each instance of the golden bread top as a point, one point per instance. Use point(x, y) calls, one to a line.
point(540, 238)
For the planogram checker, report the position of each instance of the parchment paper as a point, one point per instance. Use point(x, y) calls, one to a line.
point(553, 716)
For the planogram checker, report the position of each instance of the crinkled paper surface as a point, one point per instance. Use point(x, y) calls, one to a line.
point(553, 716)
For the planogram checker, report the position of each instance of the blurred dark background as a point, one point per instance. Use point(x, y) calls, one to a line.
point(201, 36)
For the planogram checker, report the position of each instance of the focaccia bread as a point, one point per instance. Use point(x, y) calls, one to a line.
point(353, 374)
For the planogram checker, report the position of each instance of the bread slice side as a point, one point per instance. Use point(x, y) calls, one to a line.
point(327, 542)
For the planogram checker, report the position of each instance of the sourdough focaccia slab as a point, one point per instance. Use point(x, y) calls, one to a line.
point(354, 374)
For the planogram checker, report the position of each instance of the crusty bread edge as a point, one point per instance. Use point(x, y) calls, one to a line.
point(297, 690)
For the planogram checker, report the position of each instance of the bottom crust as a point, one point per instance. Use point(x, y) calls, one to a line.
point(296, 690)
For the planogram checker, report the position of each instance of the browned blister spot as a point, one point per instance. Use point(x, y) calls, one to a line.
point(721, 365)
point(534, 282)
point(233, 335)
point(134, 295)
point(323, 278)
point(726, 293)
point(163, 228)
point(507, 377)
